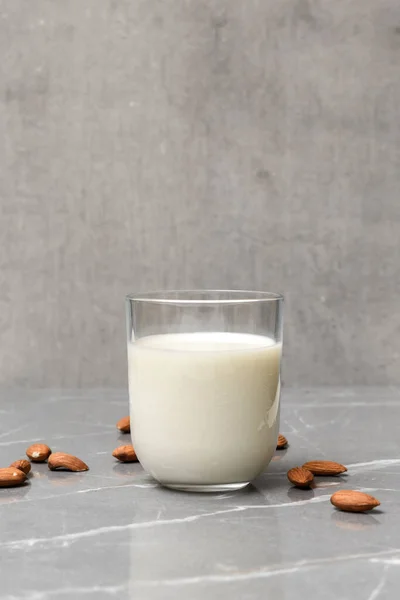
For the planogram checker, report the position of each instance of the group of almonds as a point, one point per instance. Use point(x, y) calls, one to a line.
point(125, 453)
point(303, 477)
point(17, 472)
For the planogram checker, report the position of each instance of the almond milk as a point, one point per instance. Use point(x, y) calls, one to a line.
point(204, 406)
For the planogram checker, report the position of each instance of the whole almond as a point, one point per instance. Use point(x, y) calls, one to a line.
point(22, 465)
point(68, 462)
point(300, 477)
point(10, 476)
point(125, 454)
point(282, 442)
point(324, 467)
point(353, 501)
point(38, 452)
point(124, 425)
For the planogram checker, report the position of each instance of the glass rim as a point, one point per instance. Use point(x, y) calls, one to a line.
point(184, 296)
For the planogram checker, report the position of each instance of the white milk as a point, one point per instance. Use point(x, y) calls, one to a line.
point(204, 406)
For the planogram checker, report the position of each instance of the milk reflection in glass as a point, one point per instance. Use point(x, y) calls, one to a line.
point(204, 406)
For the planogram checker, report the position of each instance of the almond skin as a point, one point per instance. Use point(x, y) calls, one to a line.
point(324, 467)
point(124, 424)
point(300, 477)
point(68, 462)
point(353, 501)
point(125, 454)
point(282, 442)
point(10, 477)
point(22, 465)
point(38, 452)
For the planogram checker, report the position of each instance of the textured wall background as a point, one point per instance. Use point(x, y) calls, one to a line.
point(180, 143)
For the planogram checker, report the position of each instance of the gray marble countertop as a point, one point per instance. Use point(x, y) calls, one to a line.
point(113, 532)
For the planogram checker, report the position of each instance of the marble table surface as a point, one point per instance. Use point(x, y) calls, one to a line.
point(113, 532)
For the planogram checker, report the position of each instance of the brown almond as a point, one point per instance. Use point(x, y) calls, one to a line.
point(68, 462)
point(353, 501)
point(10, 477)
point(125, 454)
point(282, 442)
point(38, 452)
point(124, 425)
point(324, 467)
point(300, 477)
point(22, 465)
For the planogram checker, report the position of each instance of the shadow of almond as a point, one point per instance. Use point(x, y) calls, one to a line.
point(65, 478)
point(353, 521)
point(10, 495)
point(295, 494)
point(128, 469)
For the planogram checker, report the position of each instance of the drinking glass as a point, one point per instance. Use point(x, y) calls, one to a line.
point(204, 385)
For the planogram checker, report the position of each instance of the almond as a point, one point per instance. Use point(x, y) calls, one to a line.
point(300, 477)
point(11, 476)
point(22, 465)
point(38, 452)
point(68, 462)
point(324, 467)
point(125, 454)
point(282, 442)
point(124, 424)
point(353, 501)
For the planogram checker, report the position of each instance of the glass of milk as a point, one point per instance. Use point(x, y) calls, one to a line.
point(204, 385)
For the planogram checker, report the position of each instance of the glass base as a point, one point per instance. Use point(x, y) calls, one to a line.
point(210, 488)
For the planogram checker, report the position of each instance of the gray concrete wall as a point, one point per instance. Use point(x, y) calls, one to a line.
point(179, 143)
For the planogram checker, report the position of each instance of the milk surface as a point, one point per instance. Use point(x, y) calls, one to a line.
point(204, 406)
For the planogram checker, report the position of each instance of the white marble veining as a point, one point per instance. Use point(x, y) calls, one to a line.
point(113, 532)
